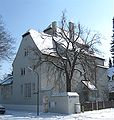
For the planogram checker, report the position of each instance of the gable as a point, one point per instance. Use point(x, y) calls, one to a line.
point(25, 49)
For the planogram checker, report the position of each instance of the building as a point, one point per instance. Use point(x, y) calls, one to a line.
point(35, 83)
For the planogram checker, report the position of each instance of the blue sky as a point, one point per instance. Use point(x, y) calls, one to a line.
point(21, 15)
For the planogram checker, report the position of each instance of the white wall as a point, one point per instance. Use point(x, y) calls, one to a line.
point(65, 103)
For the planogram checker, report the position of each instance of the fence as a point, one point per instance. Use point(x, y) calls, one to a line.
point(88, 106)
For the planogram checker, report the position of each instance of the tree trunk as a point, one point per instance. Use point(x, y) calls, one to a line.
point(68, 85)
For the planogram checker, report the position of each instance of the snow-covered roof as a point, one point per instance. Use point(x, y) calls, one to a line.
point(110, 72)
point(66, 94)
point(7, 81)
point(43, 41)
point(89, 85)
point(101, 66)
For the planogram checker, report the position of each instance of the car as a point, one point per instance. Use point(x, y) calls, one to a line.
point(2, 109)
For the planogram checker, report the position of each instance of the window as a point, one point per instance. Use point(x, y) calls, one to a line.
point(27, 90)
point(25, 52)
point(22, 71)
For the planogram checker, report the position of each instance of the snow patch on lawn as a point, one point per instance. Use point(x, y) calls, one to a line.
point(105, 114)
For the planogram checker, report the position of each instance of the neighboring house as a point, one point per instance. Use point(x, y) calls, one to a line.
point(27, 79)
point(110, 74)
point(6, 88)
point(94, 90)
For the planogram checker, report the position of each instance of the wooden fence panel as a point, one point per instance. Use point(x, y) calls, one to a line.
point(112, 104)
point(100, 105)
point(97, 105)
point(107, 104)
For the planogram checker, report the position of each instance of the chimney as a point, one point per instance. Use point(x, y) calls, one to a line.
point(54, 27)
point(71, 30)
point(51, 29)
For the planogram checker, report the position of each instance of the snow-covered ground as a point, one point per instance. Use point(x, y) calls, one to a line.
point(106, 114)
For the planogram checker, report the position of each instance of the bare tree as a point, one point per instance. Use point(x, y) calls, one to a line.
point(74, 48)
point(6, 43)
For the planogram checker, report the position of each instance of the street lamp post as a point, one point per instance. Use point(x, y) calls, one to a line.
point(38, 90)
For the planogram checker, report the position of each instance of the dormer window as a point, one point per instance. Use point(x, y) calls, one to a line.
point(113, 77)
point(109, 78)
